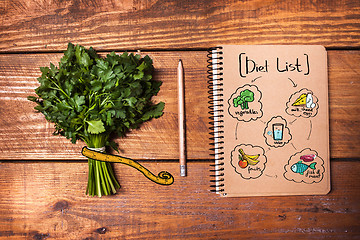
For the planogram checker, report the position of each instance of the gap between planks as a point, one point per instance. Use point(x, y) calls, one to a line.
point(148, 160)
point(158, 50)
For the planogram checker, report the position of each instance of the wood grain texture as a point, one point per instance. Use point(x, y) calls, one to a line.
point(47, 201)
point(33, 25)
point(24, 134)
point(344, 97)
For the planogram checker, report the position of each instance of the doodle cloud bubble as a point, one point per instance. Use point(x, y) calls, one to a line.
point(276, 132)
point(251, 170)
point(298, 170)
point(244, 103)
point(302, 103)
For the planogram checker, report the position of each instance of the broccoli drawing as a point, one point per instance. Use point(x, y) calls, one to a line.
point(243, 99)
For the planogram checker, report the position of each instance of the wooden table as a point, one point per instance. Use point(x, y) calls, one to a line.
point(43, 177)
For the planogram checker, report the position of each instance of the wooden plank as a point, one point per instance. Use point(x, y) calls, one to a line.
point(24, 134)
point(46, 200)
point(42, 25)
point(344, 97)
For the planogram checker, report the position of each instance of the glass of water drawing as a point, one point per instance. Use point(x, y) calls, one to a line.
point(278, 131)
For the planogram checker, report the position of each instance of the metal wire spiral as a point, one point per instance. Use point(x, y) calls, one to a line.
point(215, 86)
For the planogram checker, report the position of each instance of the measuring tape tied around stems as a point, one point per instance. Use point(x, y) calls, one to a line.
point(163, 178)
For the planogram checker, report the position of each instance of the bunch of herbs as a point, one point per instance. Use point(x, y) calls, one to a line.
point(88, 98)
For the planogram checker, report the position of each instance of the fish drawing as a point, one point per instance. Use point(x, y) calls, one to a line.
point(300, 167)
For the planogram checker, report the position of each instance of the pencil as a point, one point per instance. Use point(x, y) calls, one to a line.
point(181, 103)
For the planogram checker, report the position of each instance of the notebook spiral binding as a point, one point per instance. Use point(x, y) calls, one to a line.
point(215, 85)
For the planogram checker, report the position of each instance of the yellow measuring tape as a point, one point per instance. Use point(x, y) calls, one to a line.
point(163, 178)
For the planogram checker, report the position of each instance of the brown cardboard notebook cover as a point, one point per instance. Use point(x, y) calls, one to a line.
point(271, 124)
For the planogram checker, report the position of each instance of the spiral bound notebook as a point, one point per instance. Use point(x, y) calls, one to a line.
point(270, 124)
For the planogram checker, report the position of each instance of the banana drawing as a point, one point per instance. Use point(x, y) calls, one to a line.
point(251, 159)
point(163, 178)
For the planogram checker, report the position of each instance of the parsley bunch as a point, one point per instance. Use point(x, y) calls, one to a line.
point(88, 98)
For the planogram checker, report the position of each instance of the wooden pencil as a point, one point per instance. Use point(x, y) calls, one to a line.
point(181, 103)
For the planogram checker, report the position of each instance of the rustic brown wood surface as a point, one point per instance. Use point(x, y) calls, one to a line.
point(47, 201)
point(161, 24)
point(43, 177)
point(26, 134)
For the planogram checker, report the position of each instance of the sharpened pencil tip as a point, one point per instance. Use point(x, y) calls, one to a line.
point(180, 65)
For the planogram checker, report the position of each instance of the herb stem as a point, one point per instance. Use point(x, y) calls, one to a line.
point(101, 179)
point(58, 88)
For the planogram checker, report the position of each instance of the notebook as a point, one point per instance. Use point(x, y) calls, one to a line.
point(270, 123)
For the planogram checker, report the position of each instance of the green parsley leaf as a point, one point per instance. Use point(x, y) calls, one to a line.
point(95, 127)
